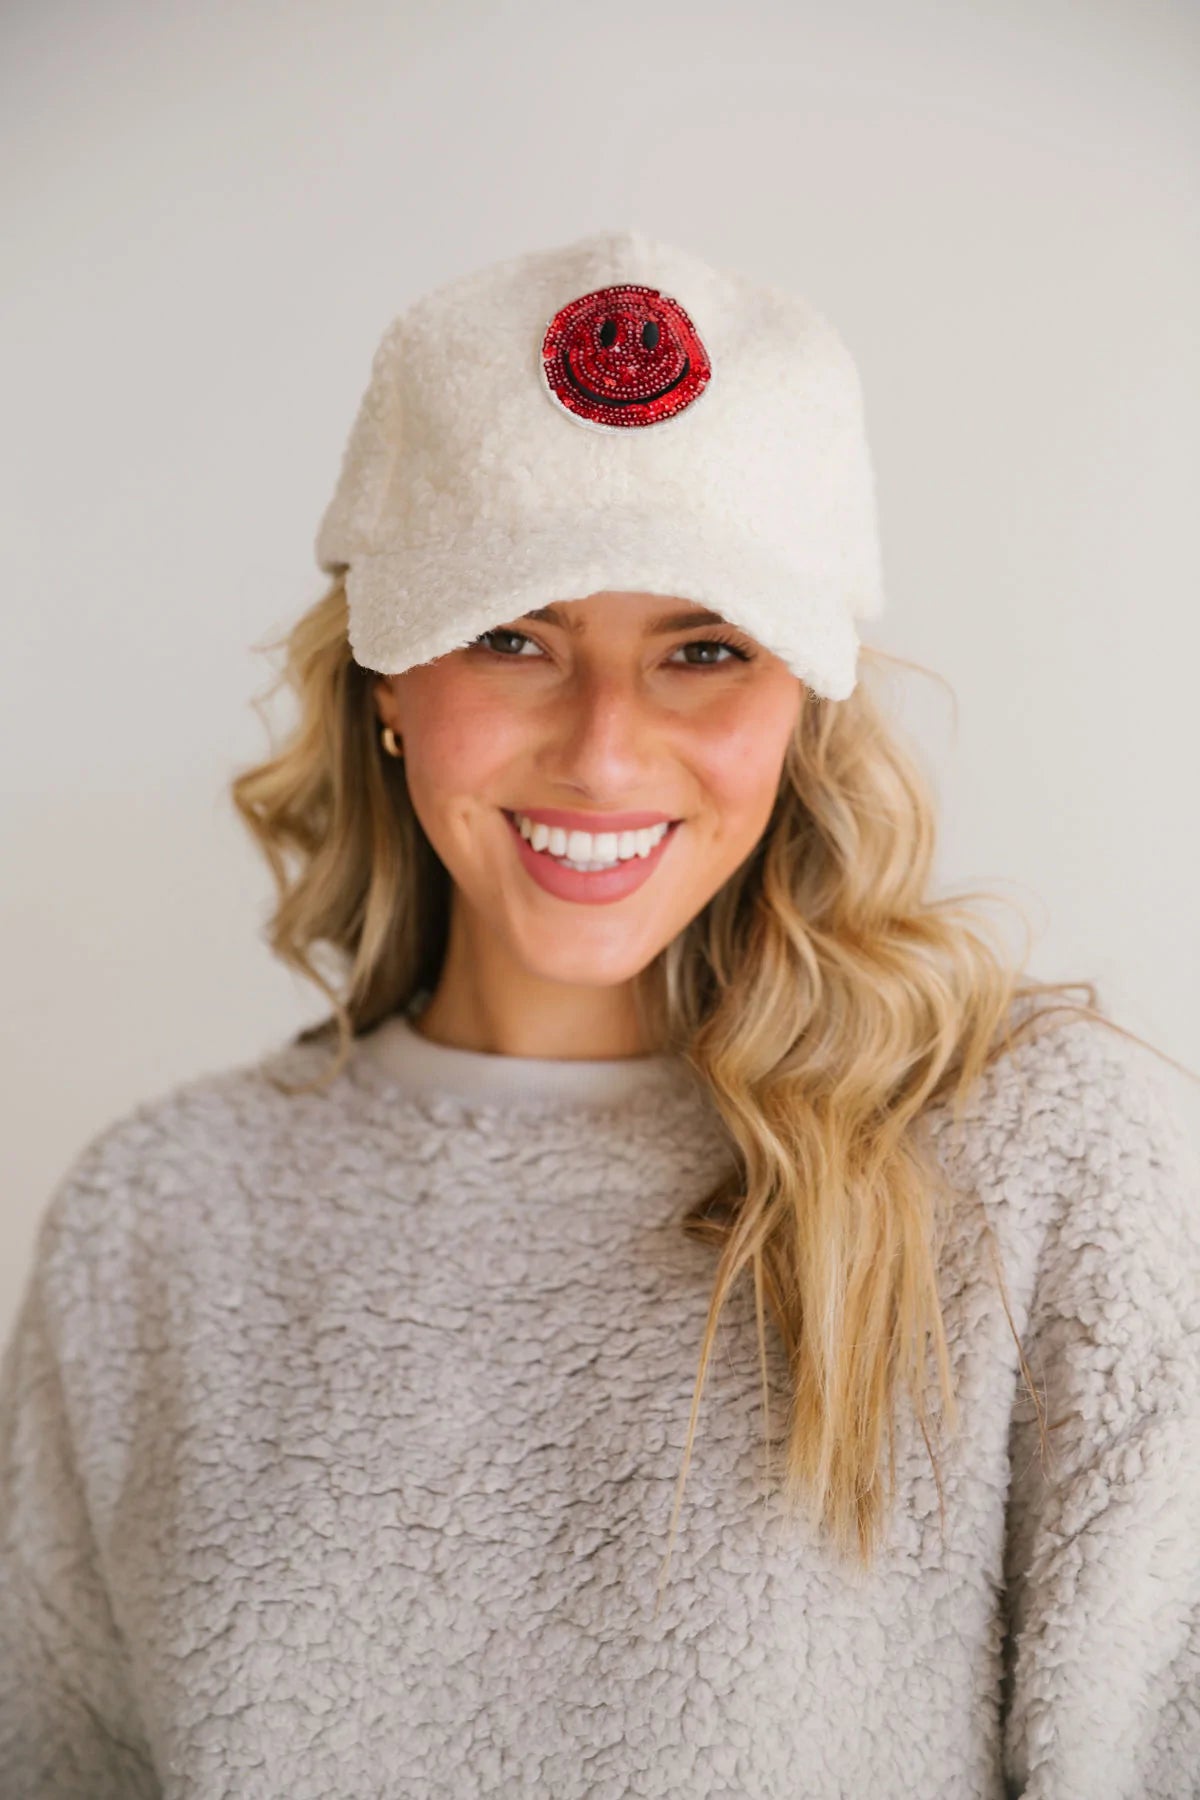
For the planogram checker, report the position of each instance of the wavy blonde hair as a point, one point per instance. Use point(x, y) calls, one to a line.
point(824, 998)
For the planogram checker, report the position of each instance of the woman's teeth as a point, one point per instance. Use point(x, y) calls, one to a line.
point(587, 850)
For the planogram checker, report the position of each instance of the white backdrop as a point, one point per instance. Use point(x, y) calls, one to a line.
point(211, 215)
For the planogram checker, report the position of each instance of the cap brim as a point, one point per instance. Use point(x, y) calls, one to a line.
point(408, 606)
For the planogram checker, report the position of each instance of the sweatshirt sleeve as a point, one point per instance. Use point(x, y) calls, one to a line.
point(1102, 1551)
point(68, 1724)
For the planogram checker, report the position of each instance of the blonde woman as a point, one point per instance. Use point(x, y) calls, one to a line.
point(694, 1319)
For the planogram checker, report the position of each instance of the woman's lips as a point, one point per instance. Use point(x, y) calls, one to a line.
point(602, 886)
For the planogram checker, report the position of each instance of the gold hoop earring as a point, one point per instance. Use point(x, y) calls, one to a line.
point(389, 742)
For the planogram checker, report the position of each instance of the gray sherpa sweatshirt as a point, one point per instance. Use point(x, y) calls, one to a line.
point(339, 1438)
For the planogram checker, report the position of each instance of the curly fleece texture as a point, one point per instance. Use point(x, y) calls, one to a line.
point(339, 1438)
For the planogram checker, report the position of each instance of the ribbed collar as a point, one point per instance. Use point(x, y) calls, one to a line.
point(420, 1066)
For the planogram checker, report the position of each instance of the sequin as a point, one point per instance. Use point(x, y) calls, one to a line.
point(624, 355)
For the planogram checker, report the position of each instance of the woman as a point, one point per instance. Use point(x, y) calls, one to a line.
point(353, 1438)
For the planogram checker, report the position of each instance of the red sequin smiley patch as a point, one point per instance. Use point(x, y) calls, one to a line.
point(624, 355)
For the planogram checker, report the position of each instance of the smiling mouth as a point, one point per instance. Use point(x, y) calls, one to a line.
point(601, 868)
point(582, 388)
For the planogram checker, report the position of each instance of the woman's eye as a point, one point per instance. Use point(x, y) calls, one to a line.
point(499, 632)
point(485, 640)
point(715, 643)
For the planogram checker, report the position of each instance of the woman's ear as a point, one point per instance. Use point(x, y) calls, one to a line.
point(384, 698)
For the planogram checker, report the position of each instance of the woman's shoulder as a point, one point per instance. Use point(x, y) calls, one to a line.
point(1075, 1133)
point(1067, 1080)
point(191, 1139)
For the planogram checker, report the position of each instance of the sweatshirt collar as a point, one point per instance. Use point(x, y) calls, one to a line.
point(421, 1066)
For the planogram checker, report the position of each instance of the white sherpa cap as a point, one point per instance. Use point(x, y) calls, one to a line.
point(614, 414)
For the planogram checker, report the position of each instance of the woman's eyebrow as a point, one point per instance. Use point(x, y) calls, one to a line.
point(664, 622)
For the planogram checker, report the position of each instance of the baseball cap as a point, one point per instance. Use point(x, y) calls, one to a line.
point(615, 413)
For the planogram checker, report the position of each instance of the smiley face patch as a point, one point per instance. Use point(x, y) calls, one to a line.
point(622, 356)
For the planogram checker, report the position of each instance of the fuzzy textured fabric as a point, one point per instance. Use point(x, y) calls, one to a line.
point(468, 493)
point(339, 1438)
